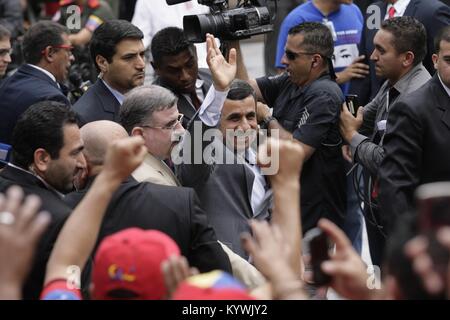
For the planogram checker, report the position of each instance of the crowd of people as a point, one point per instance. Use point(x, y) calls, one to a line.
point(135, 164)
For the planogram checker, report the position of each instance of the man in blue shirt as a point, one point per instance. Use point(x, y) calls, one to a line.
point(345, 22)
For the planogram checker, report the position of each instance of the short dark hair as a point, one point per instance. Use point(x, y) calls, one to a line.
point(40, 36)
point(169, 41)
point(443, 35)
point(40, 126)
point(409, 35)
point(141, 102)
point(4, 33)
point(317, 38)
point(239, 90)
point(108, 35)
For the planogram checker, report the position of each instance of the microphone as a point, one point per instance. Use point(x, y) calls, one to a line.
point(172, 2)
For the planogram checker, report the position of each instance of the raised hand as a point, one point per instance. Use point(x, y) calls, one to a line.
point(124, 156)
point(348, 272)
point(175, 270)
point(284, 157)
point(223, 72)
point(21, 227)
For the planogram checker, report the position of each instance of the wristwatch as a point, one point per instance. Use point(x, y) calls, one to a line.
point(266, 121)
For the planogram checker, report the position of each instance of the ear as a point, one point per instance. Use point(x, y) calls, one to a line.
point(409, 59)
point(47, 54)
point(41, 159)
point(137, 131)
point(435, 58)
point(102, 63)
point(316, 61)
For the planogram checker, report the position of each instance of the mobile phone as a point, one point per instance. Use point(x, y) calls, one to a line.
point(319, 245)
point(433, 206)
point(351, 100)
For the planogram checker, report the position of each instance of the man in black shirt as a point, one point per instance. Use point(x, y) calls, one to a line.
point(306, 105)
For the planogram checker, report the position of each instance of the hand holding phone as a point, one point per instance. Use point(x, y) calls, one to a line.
point(351, 100)
point(319, 245)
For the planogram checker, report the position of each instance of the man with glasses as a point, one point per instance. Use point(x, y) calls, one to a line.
point(306, 103)
point(5, 50)
point(47, 54)
point(151, 112)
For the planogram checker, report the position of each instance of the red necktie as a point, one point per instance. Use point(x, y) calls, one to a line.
point(391, 12)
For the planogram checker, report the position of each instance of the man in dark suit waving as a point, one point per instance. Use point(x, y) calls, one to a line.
point(416, 143)
point(48, 56)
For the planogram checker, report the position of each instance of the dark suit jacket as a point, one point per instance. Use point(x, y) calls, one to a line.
point(173, 210)
point(98, 103)
point(432, 13)
point(59, 211)
point(224, 190)
point(416, 146)
point(23, 89)
point(184, 106)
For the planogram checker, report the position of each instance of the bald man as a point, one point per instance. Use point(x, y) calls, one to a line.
point(175, 211)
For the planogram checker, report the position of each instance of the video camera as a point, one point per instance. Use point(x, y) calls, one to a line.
point(249, 18)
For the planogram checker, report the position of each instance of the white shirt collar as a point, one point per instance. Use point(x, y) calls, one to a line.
point(44, 71)
point(120, 97)
point(400, 8)
point(447, 89)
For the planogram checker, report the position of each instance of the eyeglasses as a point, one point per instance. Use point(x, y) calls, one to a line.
point(169, 126)
point(291, 55)
point(4, 52)
point(66, 47)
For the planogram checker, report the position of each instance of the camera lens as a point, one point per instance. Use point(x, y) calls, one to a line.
point(197, 26)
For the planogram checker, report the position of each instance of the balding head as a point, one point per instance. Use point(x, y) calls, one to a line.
point(97, 136)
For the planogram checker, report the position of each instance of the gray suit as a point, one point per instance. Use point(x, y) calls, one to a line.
point(370, 152)
point(225, 192)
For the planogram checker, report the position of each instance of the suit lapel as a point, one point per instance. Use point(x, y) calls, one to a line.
point(442, 100)
point(107, 100)
point(411, 9)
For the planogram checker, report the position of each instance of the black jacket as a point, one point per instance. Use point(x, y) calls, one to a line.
point(59, 212)
point(98, 103)
point(21, 90)
point(173, 210)
point(416, 146)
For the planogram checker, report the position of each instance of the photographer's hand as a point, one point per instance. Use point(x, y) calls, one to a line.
point(223, 72)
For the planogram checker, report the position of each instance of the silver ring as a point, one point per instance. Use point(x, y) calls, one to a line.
point(7, 218)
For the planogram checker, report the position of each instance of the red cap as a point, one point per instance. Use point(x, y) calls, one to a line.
point(131, 260)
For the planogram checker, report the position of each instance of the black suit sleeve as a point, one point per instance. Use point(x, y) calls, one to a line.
point(205, 251)
point(401, 167)
point(194, 170)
